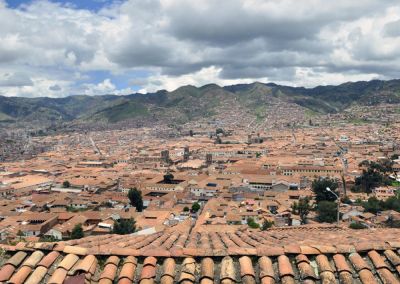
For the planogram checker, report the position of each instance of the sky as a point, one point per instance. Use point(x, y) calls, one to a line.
point(95, 47)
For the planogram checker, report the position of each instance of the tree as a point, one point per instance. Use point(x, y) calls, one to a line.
point(186, 209)
point(267, 224)
point(195, 207)
point(392, 223)
point(20, 234)
point(191, 133)
point(357, 226)
point(346, 200)
point(124, 226)
point(302, 208)
point(219, 131)
point(66, 184)
point(374, 205)
point(319, 186)
point(168, 178)
point(77, 232)
point(369, 180)
point(135, 198)
point(327, 211)
point(252, 224)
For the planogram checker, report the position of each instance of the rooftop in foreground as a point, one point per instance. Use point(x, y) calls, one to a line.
point(307, 255)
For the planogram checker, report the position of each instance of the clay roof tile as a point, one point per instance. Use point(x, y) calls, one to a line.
point(150, 261)
point(17, 258)
point(49, 259)
point(33, 259)
point(37, 275)
point(228, 269)
point(284, 266)
point(306, 271)
point(376, 259)
point(21, 275)
point(58, 276)
point(109, 272)
point(148, 272)
point(393, 257)
point(367, 277)
point(358, 262)
point(6, 272)
point(207, 268)
point(127, 271)
point(386, 276)
point(86, 264)
point(169, 267)
point(188, 270)
point(323, 263)
point(246, 266)
point(166, 279)
point(131, 259)
point(266, 268)
point(68, 262)
point(113, 260)
point(75, 250)
point(302, 258)
point(309, 250)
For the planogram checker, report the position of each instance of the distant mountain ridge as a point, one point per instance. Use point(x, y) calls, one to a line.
point(188, 102)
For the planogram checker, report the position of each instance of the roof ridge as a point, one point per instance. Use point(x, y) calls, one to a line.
point(315, 249)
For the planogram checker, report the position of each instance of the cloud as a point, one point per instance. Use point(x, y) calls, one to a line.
point(15, 80)
point(53, 49)
point(55, 88)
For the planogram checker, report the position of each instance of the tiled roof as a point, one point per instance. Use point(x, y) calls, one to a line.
point(271, 242)
point(274, 256)
point(32, 267)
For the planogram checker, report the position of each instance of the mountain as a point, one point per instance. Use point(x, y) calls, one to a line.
point(189, 103)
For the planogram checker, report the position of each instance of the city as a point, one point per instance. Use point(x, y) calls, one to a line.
point(243, 141)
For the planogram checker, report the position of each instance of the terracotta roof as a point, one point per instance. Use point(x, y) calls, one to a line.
point(281, 240)
point(41, 266)
point(282, 255)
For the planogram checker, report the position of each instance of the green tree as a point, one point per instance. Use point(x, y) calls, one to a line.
point(219, 131)
point(368, 181)
point(186, 209)
point(267, 224)
point(319, 186)
point(20, 234)
point(302, 208)
point(135, 198)
point(168, 178)
point(124, 226)
point(327, 211)
point(252, 224)
point(195, 207)
point(357, 226)
point(66, 184)
point(346, 200)
point(373, 205)
point(77, 232)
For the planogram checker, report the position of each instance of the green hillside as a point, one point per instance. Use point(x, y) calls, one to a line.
point(189, 103)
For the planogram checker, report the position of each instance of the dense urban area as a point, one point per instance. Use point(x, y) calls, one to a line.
point(222, 175)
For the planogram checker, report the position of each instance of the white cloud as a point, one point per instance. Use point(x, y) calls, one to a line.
point(181, 42)
point(202, 77)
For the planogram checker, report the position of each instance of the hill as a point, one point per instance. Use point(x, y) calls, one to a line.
point(189, 103)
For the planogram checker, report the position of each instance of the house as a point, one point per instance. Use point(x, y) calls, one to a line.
point(63, 231)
